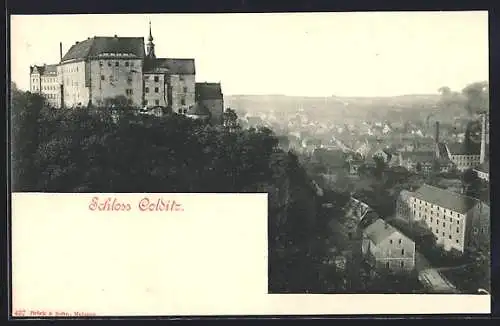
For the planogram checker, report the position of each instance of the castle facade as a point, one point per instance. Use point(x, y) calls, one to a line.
point(102, 68)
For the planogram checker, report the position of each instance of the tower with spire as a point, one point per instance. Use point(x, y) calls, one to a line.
point(150, 45)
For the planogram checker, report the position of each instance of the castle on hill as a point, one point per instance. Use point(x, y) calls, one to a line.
point(98, 69)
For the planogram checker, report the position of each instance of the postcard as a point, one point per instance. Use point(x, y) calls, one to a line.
point(249, 164)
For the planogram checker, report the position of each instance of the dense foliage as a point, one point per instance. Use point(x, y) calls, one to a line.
point(99, 150)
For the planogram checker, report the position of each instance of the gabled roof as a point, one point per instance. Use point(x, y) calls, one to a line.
point(379, 230)
point(443, 153)
point(464, 149)
point(446, 199)
point(173, 66)
point(45, 70)
point(208, 91)
point(97, 45)
point(484, 167)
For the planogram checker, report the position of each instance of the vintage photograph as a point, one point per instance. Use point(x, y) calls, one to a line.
point(368, 131)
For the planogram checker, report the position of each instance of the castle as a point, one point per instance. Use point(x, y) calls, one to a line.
point(102, 68)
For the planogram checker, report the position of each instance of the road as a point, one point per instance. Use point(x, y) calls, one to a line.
point(433, 280)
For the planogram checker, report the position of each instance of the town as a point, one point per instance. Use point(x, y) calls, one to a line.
point(415, 195)
point(366, 194)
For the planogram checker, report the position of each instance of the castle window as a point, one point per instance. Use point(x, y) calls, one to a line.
point(128, 91)
point(402, 251)
point(156, 89)
point(185, 89)
point(109, 63)
point(449, 237)
point(100, 63)
point(102, 77)
point(402, 264)
point(183, 101)
point(126, 64)
point(180, 111)
point(443, 234)
point(181, 77)
point(457, 240)
point(146, 90)
point(157, 79)
point(390, 241)
point(157, 102)
point(146, 77)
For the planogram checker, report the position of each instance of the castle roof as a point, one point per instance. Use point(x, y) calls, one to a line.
point(173, 66)
point(208, 91)
point(44, 70)
point(446, 199)
point(98, 45)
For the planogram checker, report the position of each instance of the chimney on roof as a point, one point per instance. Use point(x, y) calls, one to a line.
point(116, 35)
point(60, 51)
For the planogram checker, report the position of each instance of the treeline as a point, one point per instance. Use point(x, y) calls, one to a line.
point(97, 150)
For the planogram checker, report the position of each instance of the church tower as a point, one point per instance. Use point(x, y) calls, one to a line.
point(150, 45)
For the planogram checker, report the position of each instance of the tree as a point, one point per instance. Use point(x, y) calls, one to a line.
point(230, 119)
point(418, 167)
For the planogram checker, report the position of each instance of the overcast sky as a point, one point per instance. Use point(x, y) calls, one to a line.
point(307, 54)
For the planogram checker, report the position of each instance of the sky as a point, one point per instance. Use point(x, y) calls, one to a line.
point(303, 54)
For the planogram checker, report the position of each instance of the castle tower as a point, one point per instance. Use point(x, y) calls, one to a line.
point(150, 45)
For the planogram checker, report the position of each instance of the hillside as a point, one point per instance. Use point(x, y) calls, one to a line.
point(404, 107)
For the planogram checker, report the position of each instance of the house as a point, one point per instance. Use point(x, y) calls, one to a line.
point(44, 80)
point(420, 162)
point(363, 150)
point(458, 222)
point(445, 163)
point(384, 247)
point(354, 165)
point(464, 155)
point(382, 154)
point(483, 171)
point(395, 160)
point(356, 209)
point(210, 96)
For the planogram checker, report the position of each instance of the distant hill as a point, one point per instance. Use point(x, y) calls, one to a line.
point(402, 107)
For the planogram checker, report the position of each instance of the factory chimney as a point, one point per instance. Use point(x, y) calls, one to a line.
point(437, 132)
point(60, 51)
point(483, 138)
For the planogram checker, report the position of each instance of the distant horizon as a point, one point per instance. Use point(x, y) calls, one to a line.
point(357, 54)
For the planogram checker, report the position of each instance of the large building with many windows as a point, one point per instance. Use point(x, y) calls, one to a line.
point(98, 69)
point(43, 79)
point(457, 221)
